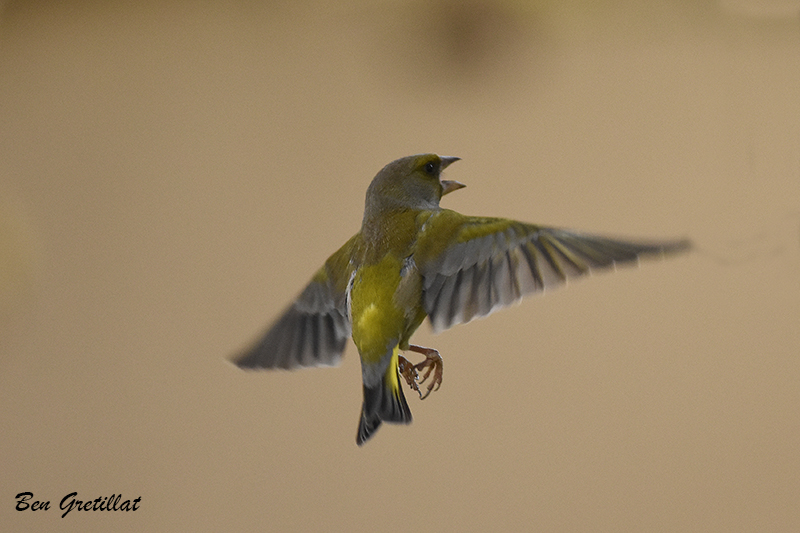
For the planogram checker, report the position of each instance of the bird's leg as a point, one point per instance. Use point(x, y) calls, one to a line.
point(433, 362)
point(409, 372)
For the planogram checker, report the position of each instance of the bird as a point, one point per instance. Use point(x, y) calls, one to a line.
point(412, 260)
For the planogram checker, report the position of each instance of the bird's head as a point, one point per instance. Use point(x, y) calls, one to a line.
point(412, 182)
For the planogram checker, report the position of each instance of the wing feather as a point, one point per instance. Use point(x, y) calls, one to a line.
point(314, 329)
point(473, 266)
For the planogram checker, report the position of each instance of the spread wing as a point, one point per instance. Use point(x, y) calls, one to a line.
point(473, 266)
point(313, 330)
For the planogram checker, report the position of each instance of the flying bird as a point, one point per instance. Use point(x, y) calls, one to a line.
point(410, 260)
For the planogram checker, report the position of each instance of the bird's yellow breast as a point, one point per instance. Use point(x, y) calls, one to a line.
point(378, 322)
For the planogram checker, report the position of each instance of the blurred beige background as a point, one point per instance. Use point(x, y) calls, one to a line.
point(172, 173)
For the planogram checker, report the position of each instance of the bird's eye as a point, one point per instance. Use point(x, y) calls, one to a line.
point(429, 168)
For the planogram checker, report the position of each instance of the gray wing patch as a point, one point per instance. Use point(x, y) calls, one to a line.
point(311, 332)
point(480, 276)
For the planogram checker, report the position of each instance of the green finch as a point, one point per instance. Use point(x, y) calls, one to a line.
point(412, 259)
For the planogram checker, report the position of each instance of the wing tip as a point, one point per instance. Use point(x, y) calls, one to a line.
point(674, 247)
point(252, 362)
point(681, 245)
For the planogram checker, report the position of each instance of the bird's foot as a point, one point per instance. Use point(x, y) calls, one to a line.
point(433, 363)
point(409, 373)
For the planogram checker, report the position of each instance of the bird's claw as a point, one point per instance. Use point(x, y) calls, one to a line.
point(409, 373)
point(433, 363)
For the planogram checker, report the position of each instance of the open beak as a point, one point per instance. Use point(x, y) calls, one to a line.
point(450, 185)
point(448, 160)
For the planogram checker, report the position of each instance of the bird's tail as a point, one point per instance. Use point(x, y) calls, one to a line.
point(383, 403)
